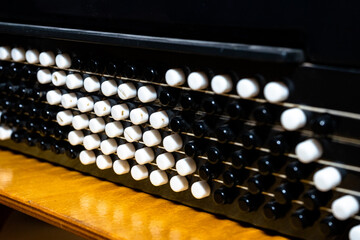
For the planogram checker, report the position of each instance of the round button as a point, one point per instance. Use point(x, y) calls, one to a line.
point(168, 97)
point(193, 149)
point(159, 119)
point(241, 158)
point(345, 207)
point(223, 196)
point(225, 133)
point(198, 80)
point(165, 161)
point(5, 132)
point(258, 183)
point(215, 155)
point(185, 166)
point(44, 76)
point(139, 172)
point(200, 189)
point(158, 178)
point(278, 145)
point(64, 118)
point(208, 172)
point(5, 53)
point(354, 233)
point(230, 178)
point(323, 124)
point(179, 183)
point(276, 92)
point(58, 78)
point(175, 77)
point(121, 167)
point(302, 218)
point(249, 202)
point(327, 178)
point(286, 192)
point(32, 56)
point(69, 100)
point(63, 60)
point(74, 81)
point(221, 84)
point(120, 111)
point(18, 54)
point(127, 91)
point(308, 150)
point(108, 146)
point(152, 138)
point(87, 157)
point(53, 97)
point(76, 137)
point(109, 88)
point(114, 129)
point(91, 84)
point(313, 199)
point(273, 210)
point(172, 142)
point(102, 108)
point(293, 119)
point(247, 88)
point(47, 58)
point(295, 171)
point(96, 125)
point(263, 114)
point(132, 133)
point(85, 104)
point(330, 226)
point(91, 142)
point(147, 94)
point(103, 162)
point(139, 115)
point(126, 151)
point(144, 155)
point(80, 121)
point(235, 110)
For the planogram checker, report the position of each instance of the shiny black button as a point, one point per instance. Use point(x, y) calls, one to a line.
point(263, 115)
point(278, 145)
point(273, 210)
point(223, 196)
point(323, 124)
point(215, 155)
point(178, 124)
point(168, 97)
point(193, 149)
point(44, 143)
point(225, 133)
point(62, 132)
point(303, 218)
point(32, 139)
point(287, 191)
point(259, 183)
point(73, 151)
point(250, 202)
point(18, 136)
point(209, 171)
point(235, 110)
point(111, 68)
point(241, 158)
point(313, 199)
point(330, 226)
point(200, 129)
point(211, 105)
point(266, 165)
point(59, 147)
point(295, 171)
point(151, 74)
point(232, 177)
point(95, 65)
point(129, 71)
point(250, 139)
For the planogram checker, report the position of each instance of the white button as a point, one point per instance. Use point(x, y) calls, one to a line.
point(221, 84)
point(147, 94)
point(158, 178)
point(108, 146)
point(185, 166)
point(247, 88)
point(172, 142)
point(127, 91)
point(120, 112)
point(165, 161)
point(152, 138)
point(109, 88)
point(102, 108)
point(293, 119)
point(144, 155)
point(53, 97)
point(200, 189)
point(309, 150)
point(18, 54)
point(103, 162)
point(121, 167)
point(276, 92)
point(139, 172)
point(179, 183)
point(63, 60)
point(126, 151)
point(76, 137)
point(5, 53)
point(132, 133)
point(69, 100)
point(175, 77)
point(80, 121)
point(87, 157)
point(32, 56)
point(64, 118)
point(5, 132)
point(91, 142)
point(91, 84)
point(47, 58)
point(114, 129)
point(327, 178)
point(345, 207)
point(198, 80)
point(354, 233)
point(96, 125)
point(139, 115)
point(58, 78)
point(159, 119)
point(44, 76)
point(85, 104)
point(74, 81)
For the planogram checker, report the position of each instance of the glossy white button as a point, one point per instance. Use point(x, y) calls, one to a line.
point(172, 142)
point(247, 88)
point(87, 157)
point(345, 207)
point(198, 80)
point(53, 97)
point(91, 142)
point(175, 77)
point(85, 104)
point(276, 92)
point(179, 183)
point(114, 129)
point(103, 162)
point(165, 161)
point(108, 146)
point(200, 189)
point(44, 76)
point(354, 233)
point(64, 118)
point(74, 81)
point(309, 150)
point(5, 132)
point(221, 84)
point(69, 100)
point(18, 54)
point(109, 88)
point(126, 151)
point(147, 94)
point(127, 91)
point(63, 60)
point(327, 178)
point(91, 84)
point(32, 56)
point(121, 167)
point(185, 166)
point(293, 119)
point(139, 115)
point(5, 53)
point(159, 119)
point(80, 121)
point(158, 178)
point(47, 58)
point(102, 108)
point(152, 138)
point(120, 112)
point(132, 133)
point(76, 137)
point(139, 172)
point(144, 155)
point(58, 78)
point(96, 125)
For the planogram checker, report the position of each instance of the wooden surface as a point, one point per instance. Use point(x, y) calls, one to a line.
point(97, 209)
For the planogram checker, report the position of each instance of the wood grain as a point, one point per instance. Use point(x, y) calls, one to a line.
point(98, 209)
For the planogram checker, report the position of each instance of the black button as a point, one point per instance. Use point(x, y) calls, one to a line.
point(14, 71)
point(303, 218)
point(111, 68)
point(178, 124)
point(330, 226)
point(151, 74)
point(235, 110)
point(313, 199)
point(73, 151)
point(287, 191)
point(62, 132)
point(323, 124)
point(193, 149)
point(241, 158)
point(50, 112)
point(232, 177)
point(18, 136)
point(209, 171)
point(32, 139)
point(211, 105)
point(215, 155)
point(95, 66)
point(273, 210)
point(59, 147)
point(130, 71)
point(168, 97)
point(278, 145)
point(189, 101)
point(259, 183)
point(224, 196)
point(226, 133)
point(200, 129)
point(250, 202)
point(296, 171)
point(266, 165)
point(263, 115)
point(48, 128)
point(45, 143)
point(250, 139)
point(76, 62)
